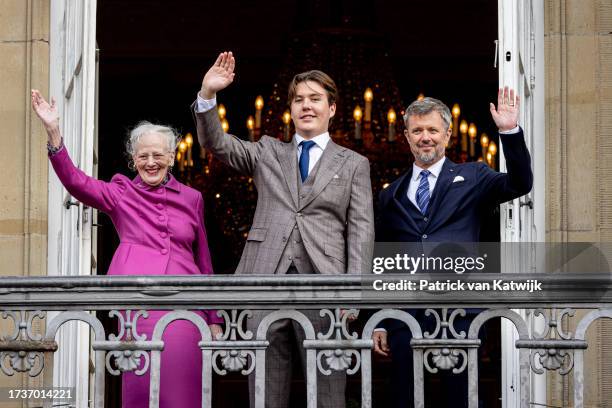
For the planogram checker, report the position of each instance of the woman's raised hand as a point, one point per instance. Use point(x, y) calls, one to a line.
point(48, 116)
point(45, 111)
point(219, 76)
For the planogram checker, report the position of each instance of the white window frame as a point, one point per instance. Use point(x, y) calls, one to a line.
point(521, 34)
point(73, 85)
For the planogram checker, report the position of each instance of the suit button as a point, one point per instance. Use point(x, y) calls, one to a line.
point(164, 251)
point(160, 191)
point(425, 219)
point(160, 206)
point(284, 239)
point(163, 235)
point(424, 236)
point(297, 242)
point(299, 214)
point(295, 227)
point(161, 218)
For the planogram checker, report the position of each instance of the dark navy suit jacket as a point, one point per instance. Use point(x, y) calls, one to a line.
point(462, 194)
point(457, 202)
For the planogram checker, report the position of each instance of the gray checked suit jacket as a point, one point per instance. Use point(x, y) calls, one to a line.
point(335, 220)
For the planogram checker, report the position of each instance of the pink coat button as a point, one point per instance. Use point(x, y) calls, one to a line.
point(161, 218)
point(163, 235)
point(164, 251)
point(160, 191)
point(160, 206)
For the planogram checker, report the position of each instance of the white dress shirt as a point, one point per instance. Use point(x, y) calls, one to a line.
point(204, 105)
point(316, 151)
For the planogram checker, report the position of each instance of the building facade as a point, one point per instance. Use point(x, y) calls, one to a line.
point(44, 46)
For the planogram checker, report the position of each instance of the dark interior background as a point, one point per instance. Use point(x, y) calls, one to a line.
point(153, 54)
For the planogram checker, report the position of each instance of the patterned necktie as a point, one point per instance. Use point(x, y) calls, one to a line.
point(305, 158)
point(422, 194)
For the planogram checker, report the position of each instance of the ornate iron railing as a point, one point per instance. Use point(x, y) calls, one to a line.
point(25, 299)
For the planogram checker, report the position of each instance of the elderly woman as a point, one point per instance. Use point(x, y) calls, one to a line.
point(161, 226)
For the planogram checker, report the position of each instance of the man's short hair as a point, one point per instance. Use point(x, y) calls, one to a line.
point(427, 105)
point(320, 78)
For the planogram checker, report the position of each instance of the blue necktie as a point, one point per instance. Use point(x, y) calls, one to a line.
point(422, 194)
point(305, 158)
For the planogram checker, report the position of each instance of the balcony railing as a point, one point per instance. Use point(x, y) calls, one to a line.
point(23, 300)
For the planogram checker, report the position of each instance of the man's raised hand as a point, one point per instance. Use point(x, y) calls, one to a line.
point(219, 76)
point(507, 112)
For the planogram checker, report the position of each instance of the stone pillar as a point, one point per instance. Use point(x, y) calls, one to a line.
point(578, 48)
point(24, 47)
point(24, 64)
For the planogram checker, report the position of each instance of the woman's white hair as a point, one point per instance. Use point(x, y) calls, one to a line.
point(144, 127)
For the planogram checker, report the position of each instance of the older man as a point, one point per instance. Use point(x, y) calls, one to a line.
point(437, 200)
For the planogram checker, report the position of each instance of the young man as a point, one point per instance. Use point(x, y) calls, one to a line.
point(314, 210)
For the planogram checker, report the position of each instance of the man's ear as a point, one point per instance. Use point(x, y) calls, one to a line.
point(332, 110)
point(406, 135)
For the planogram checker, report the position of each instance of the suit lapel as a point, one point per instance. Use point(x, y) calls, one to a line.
point(402, 188)
point(445, 179)
point(287, 158)
point(330, 162)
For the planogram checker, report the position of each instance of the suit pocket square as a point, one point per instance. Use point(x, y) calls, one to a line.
point(458, 179)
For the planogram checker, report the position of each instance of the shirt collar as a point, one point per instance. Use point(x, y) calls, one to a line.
point(434, 169)
point(322, 140)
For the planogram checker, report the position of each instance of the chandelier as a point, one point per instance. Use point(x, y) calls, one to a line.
point(366, 121)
